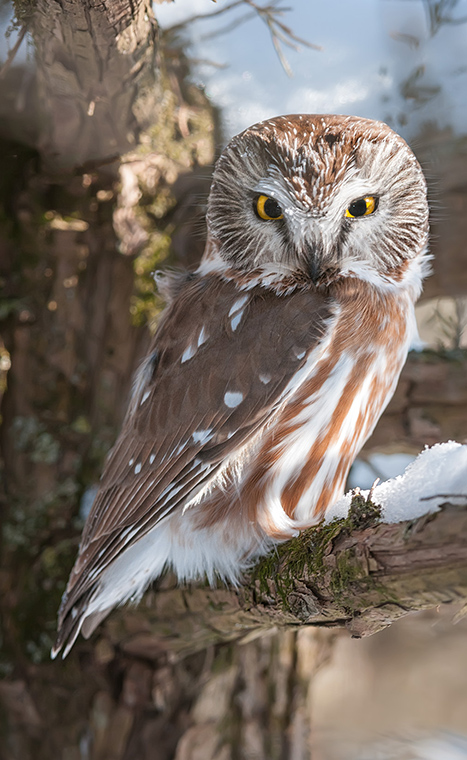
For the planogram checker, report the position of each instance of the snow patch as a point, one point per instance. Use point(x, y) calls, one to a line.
point(439, 474)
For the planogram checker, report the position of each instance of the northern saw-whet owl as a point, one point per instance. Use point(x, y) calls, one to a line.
point(270, 366)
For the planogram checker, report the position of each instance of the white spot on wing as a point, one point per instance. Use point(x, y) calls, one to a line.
point(203, 336)
point(233, 399)
point(188, 353)
point(235, 321)
point(265, 379)
point(138, 468)
point(145, 397)
point(152, 458)
point(300, 354)
point(239, 304)
point(202, 436)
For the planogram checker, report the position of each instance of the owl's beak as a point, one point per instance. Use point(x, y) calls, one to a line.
point(314, 269)
point(313, 257)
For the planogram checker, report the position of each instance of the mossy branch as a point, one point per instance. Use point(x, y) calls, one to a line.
point(357, 573)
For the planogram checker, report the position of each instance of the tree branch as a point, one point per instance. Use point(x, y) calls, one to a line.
point(355, 573)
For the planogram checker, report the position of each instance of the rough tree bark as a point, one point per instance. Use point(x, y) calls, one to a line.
point(97, 81)
point(354, 573)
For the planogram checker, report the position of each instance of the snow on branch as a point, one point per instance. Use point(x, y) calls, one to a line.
point(439, 474)
point(352, 571)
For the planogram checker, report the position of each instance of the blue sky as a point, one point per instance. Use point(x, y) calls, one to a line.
point(369, 48)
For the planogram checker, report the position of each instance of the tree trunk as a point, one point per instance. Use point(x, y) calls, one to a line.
point(96, 78)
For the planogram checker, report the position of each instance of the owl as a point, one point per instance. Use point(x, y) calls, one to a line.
point(270, 366)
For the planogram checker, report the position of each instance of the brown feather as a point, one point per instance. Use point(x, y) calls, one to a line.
point(188, 397)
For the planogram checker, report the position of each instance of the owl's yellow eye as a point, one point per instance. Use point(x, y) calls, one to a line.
point(267, 208)
point(362, 207)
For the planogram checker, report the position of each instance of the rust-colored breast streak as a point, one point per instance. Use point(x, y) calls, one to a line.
point(295, 470)
point(368, 348)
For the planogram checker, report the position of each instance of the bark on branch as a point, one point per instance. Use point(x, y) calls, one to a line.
point(351, 573)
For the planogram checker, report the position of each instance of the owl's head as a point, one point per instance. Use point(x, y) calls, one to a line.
point(325, 196)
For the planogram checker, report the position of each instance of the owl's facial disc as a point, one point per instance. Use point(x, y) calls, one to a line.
point(318, 195)
point(304, 230)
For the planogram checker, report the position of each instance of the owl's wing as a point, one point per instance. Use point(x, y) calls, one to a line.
point(223, 361)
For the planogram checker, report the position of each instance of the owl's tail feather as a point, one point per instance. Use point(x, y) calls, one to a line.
point(75, 621)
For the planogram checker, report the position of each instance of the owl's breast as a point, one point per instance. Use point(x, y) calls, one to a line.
point(303, 461)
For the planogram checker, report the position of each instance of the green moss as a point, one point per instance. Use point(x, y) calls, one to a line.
point(145, 303)
point(81, 425)
point(39, 582)
point(348, 570)
point(10, 306)
point(363, 513)
point(299, 557)
point(31, 524)
point(32, 437)
point(179, 139)
point(303, 556)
